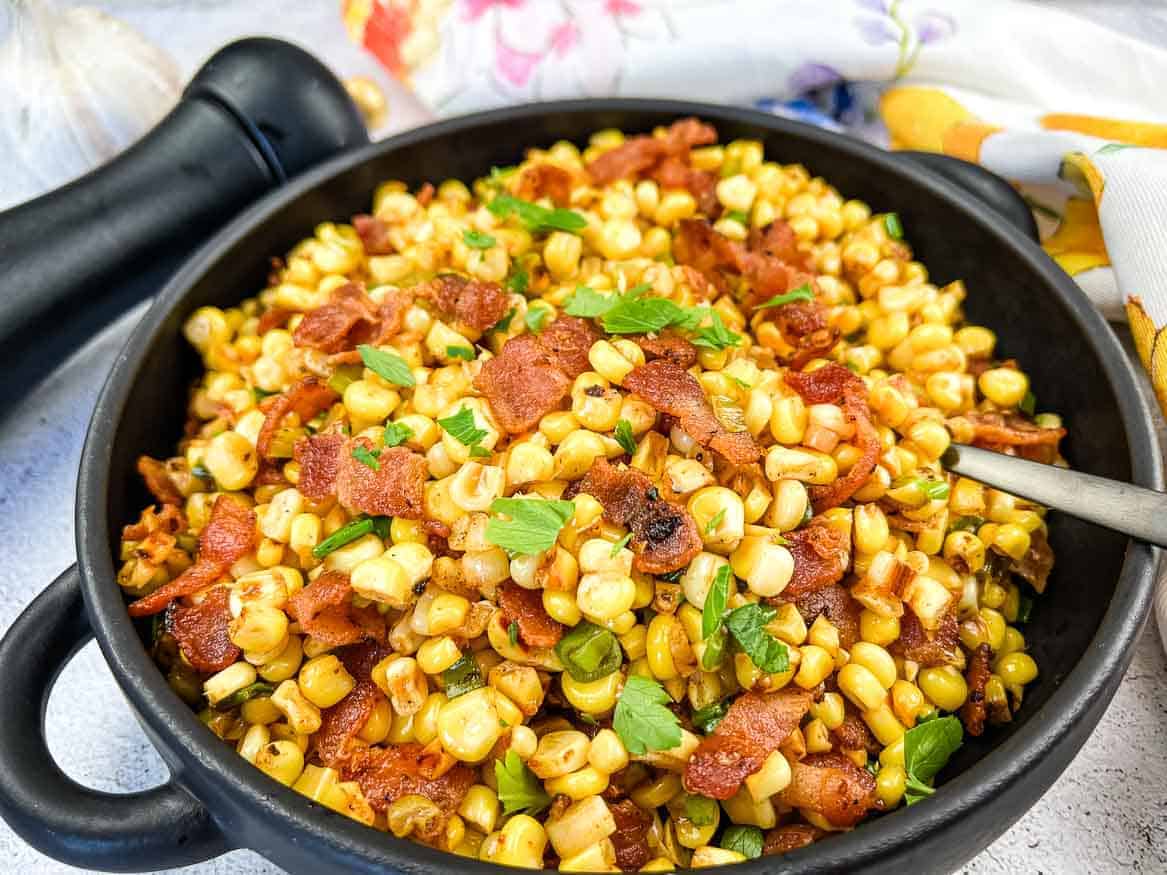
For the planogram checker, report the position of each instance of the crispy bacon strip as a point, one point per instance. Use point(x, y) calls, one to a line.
point(525, 607)
point(676, 172)
point(664, 535)
point(805, 326)
point(842, 610)
point(853, 733)
point(916, 643)
point(202, 631)
point(319, 459)
point(671, 389)
point(388, 773)
point(168, 521)
point(832, 384)
point(821, 556)
point(631, 836)
point(770, 264)
point(755, 726)
point(228, 536)
point(324, 609)
point(374, 234)
point(972, 712)
point(395, 488)
point(832, 785)
point(996, 430)
point(668, 346)
point(1037, 563)
point(784, 839)
point(158, 481)
point(276, 317)
point(473, 303)
point(641, 153)
point(340, 724)
point(348, 318)
point(532, 375)
point(545, 180)
point(308, 397)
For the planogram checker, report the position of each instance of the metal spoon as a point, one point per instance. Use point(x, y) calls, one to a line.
point(1132, 510)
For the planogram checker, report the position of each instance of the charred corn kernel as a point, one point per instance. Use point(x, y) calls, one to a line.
point(878, 629)
point(605, 595)
point(1016, 669)
point(944, 686)
point(906, 701)
point(994, 628)
point(709, 855)
point(582, 825)
point(807, 466)
point(588, 781)
point(230, 680)
point(324, 681)
point(302, 715)
point(720, 517)
point(232, 460)
point(281, 760)
point(254, 739)
point(437, 654)
point(403, 681)
point(285, 665)
point(883, 724)
point(521, 843)
point(861, 686)
point(965, 548)
point(830, 710)
point(1012, 540)
point(788, 420)
point(607, 752)
point(890, 784)
point(967, 498)
point(876, 660)
point(383, 580)
point(259, 628)
point(765, 566)
point(871, 528)
point(656, 793)
point(773, 777)
point(559, 753)
point(480, 808)
point(1005, 387)
point(814, 667)
point(468, 726)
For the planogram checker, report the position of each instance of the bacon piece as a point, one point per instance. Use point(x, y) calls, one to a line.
point(821, 555)
point(374, 234)
point(319, 459)
point(972, 712)
point(1015, 435)
point(545, 179)
point(158, 481)
point(755, 726)
point(804, 326)
point(927, 648)
point(349, 318)
point(324, 609)
point(842, 610)
point(698, 246)
point(275, 317)
point(832, 785)
point(1037, 563)
point(631, 836)
point(340, 724)
point(567, 340)
point(306, 398)
point(784, 839)
point(228, 536)
point(664, 535)
point(853, 733)
point(202, 631)
point(833, 384)
point(473, 303)
point(388, 773)
point(675, 172)
point(673, 390)
point(395, 488)
point(425, 194)
point(169, 521)
point(668, 346)
point(639, 154)
point(766, 261)
point(525, 607)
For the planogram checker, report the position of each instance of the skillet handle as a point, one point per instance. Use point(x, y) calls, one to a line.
point(259, 112)
point(982, 184)
point(136, 832)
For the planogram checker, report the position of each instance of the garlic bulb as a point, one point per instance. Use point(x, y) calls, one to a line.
point(79, 86)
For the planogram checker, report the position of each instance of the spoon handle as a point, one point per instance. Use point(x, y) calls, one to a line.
point(1132, 510)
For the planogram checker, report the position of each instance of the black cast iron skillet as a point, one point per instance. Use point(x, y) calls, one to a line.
point(1083, 628)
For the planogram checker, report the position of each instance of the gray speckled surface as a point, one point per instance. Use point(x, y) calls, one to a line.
point(1107, 813)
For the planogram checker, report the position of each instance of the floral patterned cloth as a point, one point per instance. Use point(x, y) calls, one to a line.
point(1066, 107)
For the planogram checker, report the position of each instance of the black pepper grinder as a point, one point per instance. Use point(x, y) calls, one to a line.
point(259, 112)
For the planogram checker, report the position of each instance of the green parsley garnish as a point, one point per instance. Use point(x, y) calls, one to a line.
point(535, 318)
point(966, 524)
point(747, 624)
point(517, 281)
point(738, 216)
point(350, 531)
point(462, 677)
point(460, 352)
point(927, 748)
point(461, 427)
point(716, 336)
point(387, 365)
point(535, 217)
point(397, 433)
point(633, 313)
point(620, 545)
point(802, 293)
point(746, 840)
point(533, 526)
point(589, 652)
point(893, 226)
point(587, 303)
point(504, 323)
point(513, 633)
point(367, 457)
point(1028, 404)
point(624, 436)
point(711, 526)
point(641, 719)
point(935, 489)
point(518, 788)
point(477, 239)
point(705, 719)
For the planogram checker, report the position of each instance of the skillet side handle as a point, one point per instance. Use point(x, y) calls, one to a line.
point(136, 832)
point(986, 186)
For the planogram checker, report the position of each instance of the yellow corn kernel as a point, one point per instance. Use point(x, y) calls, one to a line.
point(788, 625)
point(588, 781)
point(877, 660)
point(437, 654)
point(1005, 387)
point(521, 843)
point(1012, 540)
point(1016, 669)
point(788, 420)
point(656, 793)
point(709, 855)
point(814, 667)
point(592, 697)
point(944, 686)
point(773, 777)
point(583, 824)
point(830, 710)
point(870, 528)
point(469, 725)
point(605, 595)
point(383, 580)
point(480, 808)
point(878, 629)
point(788, 509)
point(883, 724)
point(286, 664)
point(559, 753)
point(379, 724)
point(906, 701)
point(890, 784)
point(994, 628)
point(348, 557)
point(230, 680)
point(861, 686)
point(232, 460)
point(368, 402)
point(302, 716)
point(607, 752)
point(324, 681)
point(808, 466)
point(765, 566)
point(674, 206)
point(281, 760)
